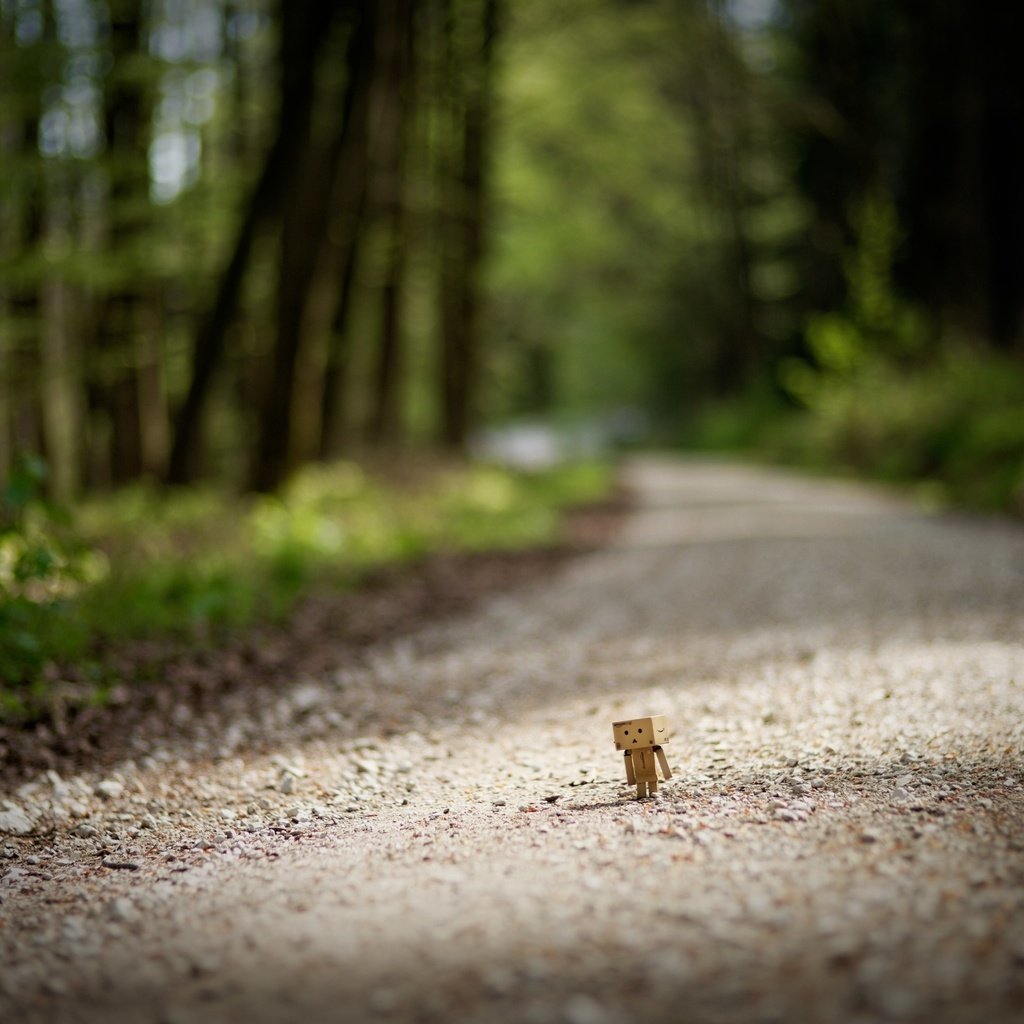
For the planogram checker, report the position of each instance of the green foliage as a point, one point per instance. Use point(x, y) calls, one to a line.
point(613, 277)
point(333, 520)
point(491, 508)
point(876, 325)
point(41, 568)
point(191, 564)
point(954, 421)
point(737, 424)
point(881, 399)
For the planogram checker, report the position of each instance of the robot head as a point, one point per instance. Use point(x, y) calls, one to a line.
point(640, 732)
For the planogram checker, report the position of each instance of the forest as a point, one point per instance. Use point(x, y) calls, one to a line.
point(239, 237)
point(242, 240)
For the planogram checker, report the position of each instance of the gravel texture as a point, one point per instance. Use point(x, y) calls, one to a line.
point(441, 829)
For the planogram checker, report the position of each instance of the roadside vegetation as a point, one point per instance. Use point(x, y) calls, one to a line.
point(881, 393)
point(951, 431)
point(241, 242)
point(194, 565)
point(953, 428)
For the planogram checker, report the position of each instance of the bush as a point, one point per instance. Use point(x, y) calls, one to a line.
point(955, 422)
point(187, 565)
point(42, 568)
point(884, 398)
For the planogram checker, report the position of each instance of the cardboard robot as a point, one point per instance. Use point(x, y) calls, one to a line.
point(640, 740)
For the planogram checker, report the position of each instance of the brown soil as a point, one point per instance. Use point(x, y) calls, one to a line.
point(327, 630)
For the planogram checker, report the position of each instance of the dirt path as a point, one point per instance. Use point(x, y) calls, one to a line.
point(443, 831)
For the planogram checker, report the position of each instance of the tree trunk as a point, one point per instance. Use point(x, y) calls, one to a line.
point(396, 79)
point(385, 426)
point(1003, 171)
point(26, 319)
point(126, 118)
point(303, 235)
point(452, 360)
point(335, 376)
point(60, 389)
point(463, 228)
point(304, 26)
point(342, 258)
point(208, 348)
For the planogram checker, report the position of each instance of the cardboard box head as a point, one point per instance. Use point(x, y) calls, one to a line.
point(640, 732)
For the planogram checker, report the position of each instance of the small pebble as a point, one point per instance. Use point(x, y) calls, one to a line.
point(109, 789)
point(584, 1009)
point(15, 821)
point(119, 910)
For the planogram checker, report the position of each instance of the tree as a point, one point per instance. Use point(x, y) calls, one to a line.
point(304, 26)
point(344, 242)
point(467, 100)
point(28, 68)
point(921, 103)
point(115, 386)
point(394, 108)
point(959, 192)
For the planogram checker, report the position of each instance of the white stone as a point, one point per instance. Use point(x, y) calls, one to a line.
point(109, 789)
point(15, 821)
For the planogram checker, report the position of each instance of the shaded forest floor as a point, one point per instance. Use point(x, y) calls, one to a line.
point(166, 686)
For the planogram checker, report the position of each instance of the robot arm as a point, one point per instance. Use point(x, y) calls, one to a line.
point(630, 774)
point(663, 761)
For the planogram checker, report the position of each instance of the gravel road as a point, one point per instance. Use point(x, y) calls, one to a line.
point(444, 832)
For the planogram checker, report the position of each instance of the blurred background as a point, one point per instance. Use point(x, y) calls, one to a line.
point(238, 237)
point(371, 282)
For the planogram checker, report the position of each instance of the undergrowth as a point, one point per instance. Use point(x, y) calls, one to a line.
point(879, 393)
point(951, 430)
point(190, 565)
point(955, 426)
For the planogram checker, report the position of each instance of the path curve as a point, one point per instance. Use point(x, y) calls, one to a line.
point(446, 835)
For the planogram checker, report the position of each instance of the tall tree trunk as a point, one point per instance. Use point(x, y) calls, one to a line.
point(1003, 171)
point(116, 385)
point(60, 389)
point(463, 226)
point(24, 323)
point(154, 425)
point(304, 27)
point(342, 257)
point(397, 76)
point(452, 341)
point(335, 376)
point(208, 347)
point(303, 234)
point(24, 326)
point(298, 246)
point(385, 426)
point(961, 196)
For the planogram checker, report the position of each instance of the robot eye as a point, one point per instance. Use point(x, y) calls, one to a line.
point(625, 732)
point(639, 730)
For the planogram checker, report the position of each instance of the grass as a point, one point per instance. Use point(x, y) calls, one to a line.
point(192, 565)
